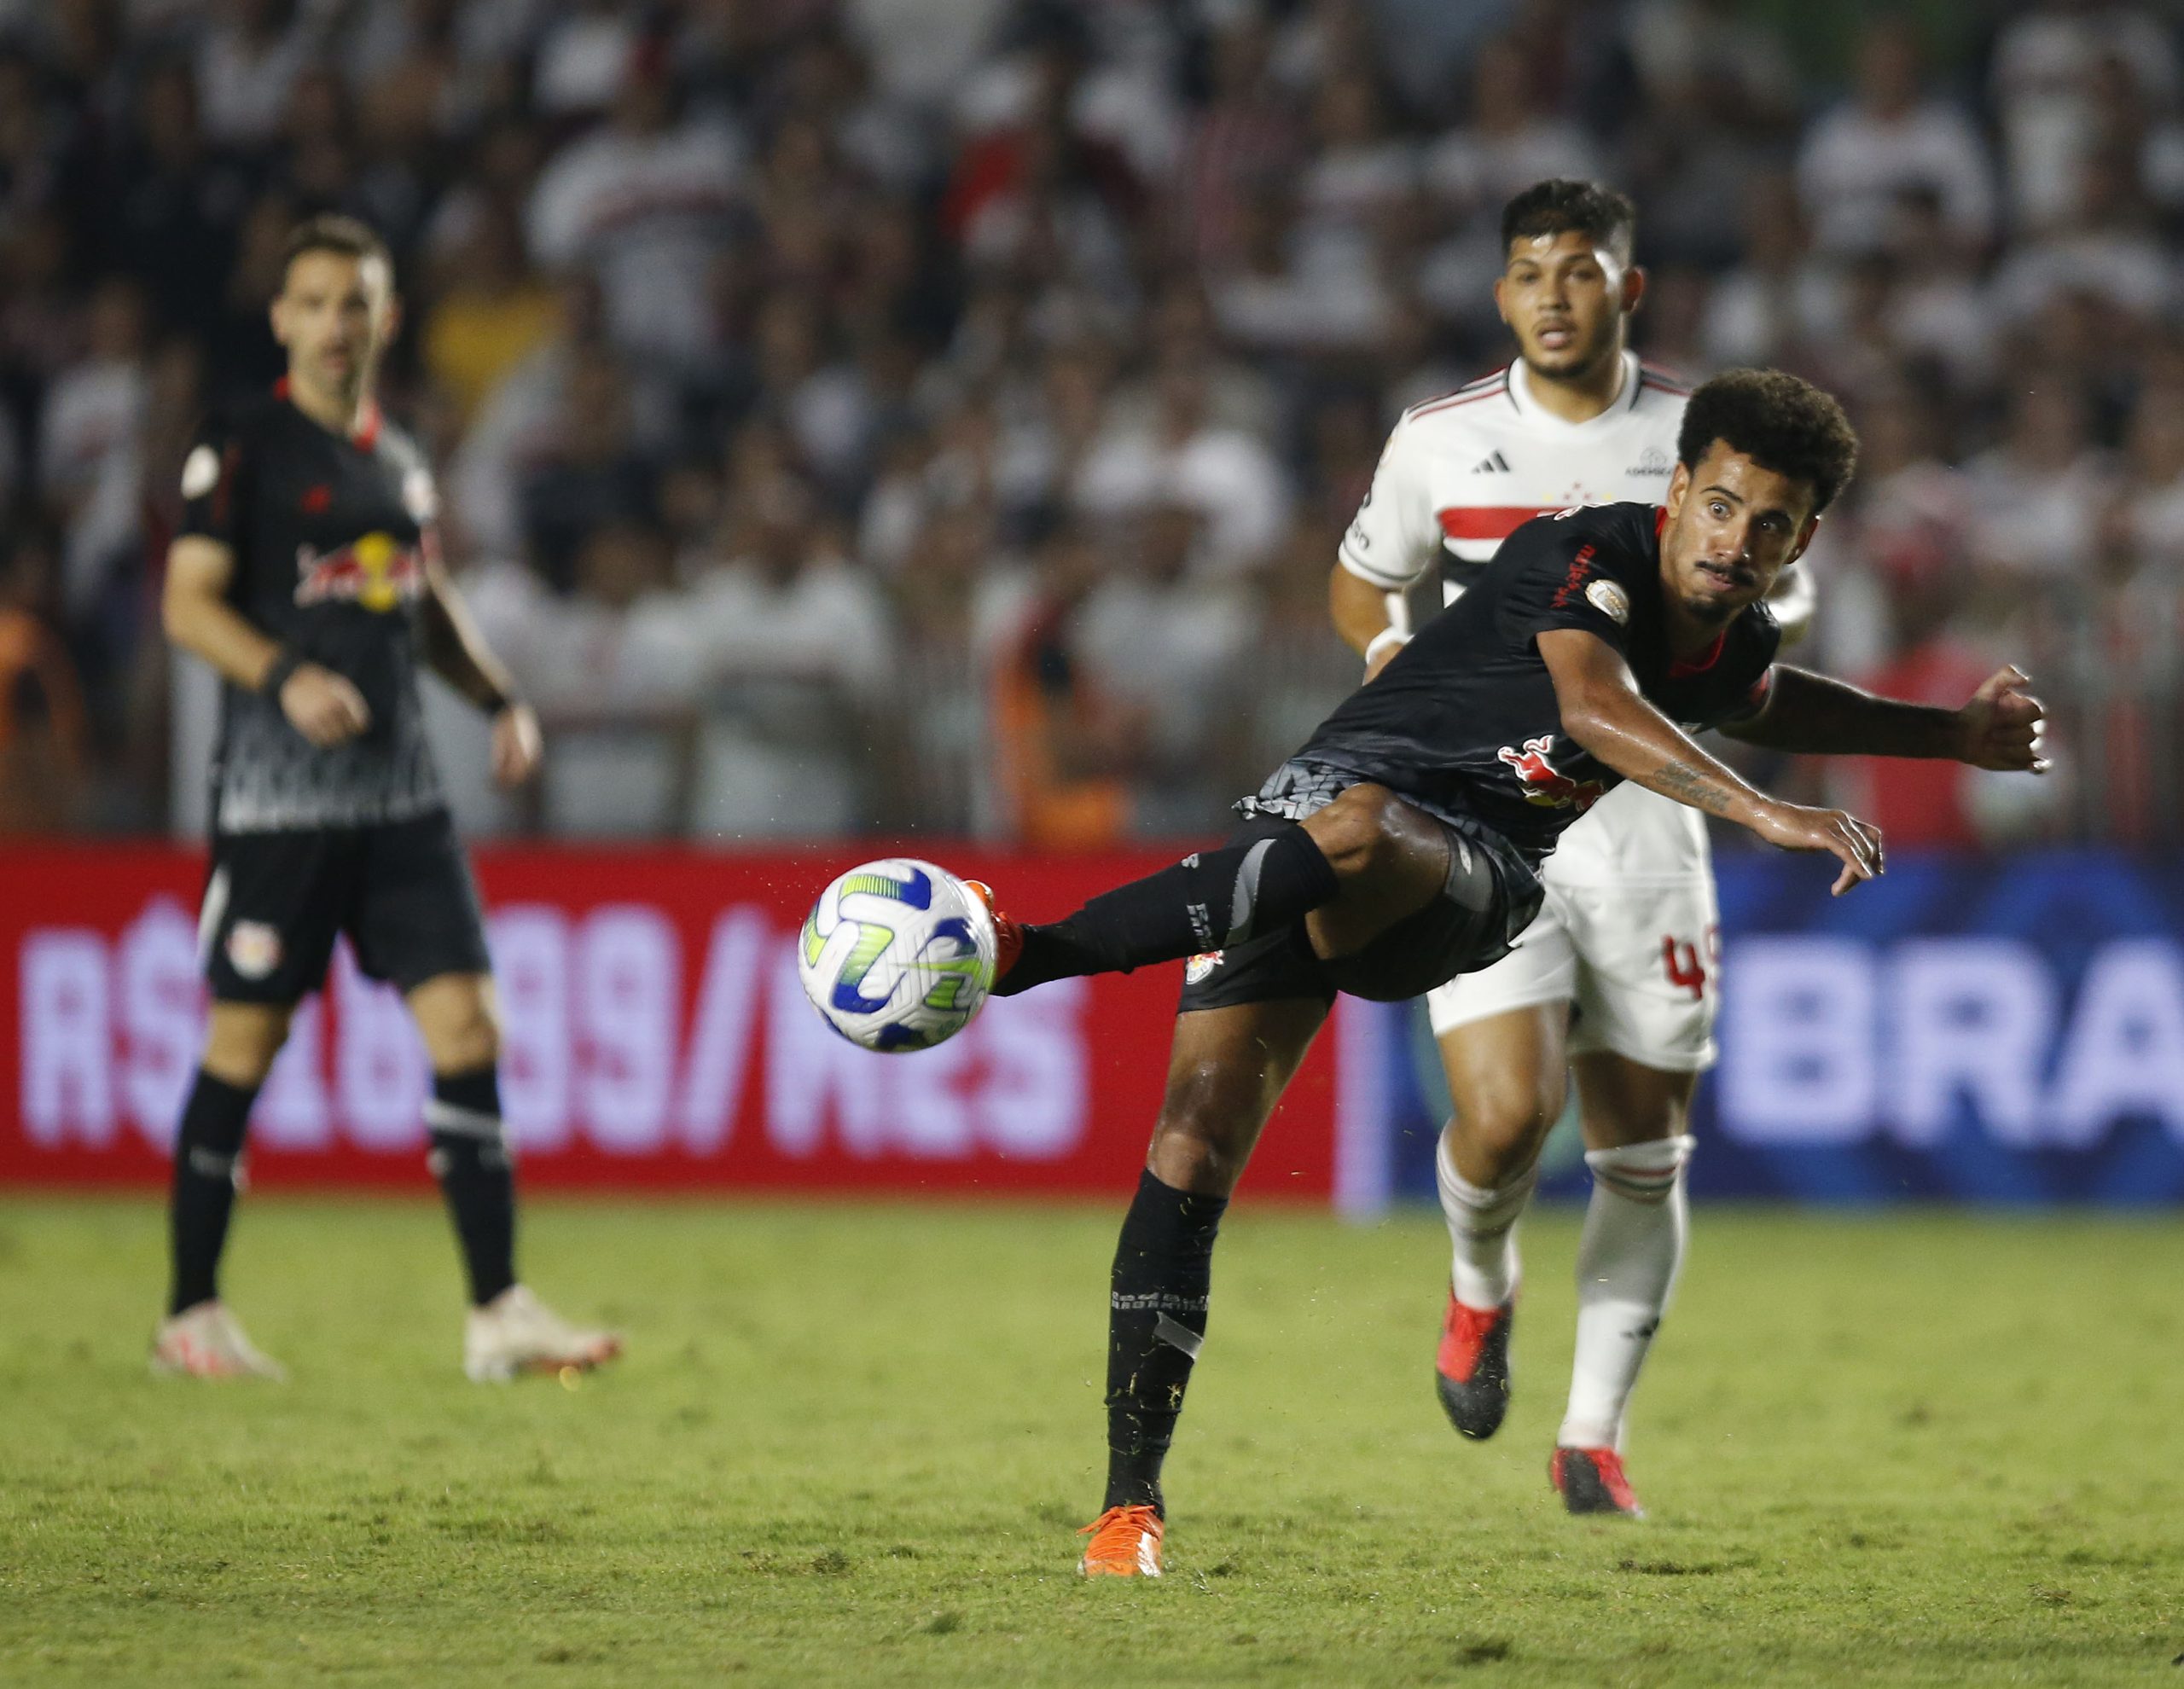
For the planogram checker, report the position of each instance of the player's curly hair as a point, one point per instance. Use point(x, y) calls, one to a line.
point(1779, 422)
point(1561, 206)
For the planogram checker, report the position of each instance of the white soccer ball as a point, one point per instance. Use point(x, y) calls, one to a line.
point(898, 954)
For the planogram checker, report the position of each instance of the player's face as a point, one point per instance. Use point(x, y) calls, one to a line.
point(334, 314)
point(1566, 299)
point(1733, 528)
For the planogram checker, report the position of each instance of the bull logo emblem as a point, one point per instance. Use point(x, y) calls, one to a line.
point(1546, 785)
point(375, 571)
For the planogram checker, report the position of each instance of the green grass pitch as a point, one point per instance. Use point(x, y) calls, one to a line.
point(852, 1444)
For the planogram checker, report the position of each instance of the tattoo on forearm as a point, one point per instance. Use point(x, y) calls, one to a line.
point(1692, 785)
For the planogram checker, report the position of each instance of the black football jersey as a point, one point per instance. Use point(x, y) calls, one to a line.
point(1463, 719)
point(330, 537)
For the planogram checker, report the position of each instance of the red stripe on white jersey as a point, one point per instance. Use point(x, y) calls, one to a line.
point(1487, 521)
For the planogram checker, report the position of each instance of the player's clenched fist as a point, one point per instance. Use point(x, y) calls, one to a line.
point(2002, 725)
point(323, 706)
point(1854, 843)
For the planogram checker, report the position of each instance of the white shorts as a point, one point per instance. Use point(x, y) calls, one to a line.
point(1639, 961)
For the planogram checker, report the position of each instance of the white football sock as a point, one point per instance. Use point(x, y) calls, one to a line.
point(1482, 1228)
point(1627, 1265)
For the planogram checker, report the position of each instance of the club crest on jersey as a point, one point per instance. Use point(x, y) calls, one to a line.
point(1609, 598)
point(376, 572)
point(254, 948)
point(1546, 785)
point(1200, 968)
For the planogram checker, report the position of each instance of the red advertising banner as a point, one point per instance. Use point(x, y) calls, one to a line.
point(654, 1038)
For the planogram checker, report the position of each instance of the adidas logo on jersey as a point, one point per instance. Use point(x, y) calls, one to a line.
point(1496, 464)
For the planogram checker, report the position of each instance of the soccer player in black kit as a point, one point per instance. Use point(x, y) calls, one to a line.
point(307, 573)
point(1397, 849)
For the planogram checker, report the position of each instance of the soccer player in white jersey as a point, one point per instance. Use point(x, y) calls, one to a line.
point(1617, 978)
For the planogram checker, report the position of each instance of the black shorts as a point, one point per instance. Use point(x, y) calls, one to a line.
point(1483, 905)
point(275, 901)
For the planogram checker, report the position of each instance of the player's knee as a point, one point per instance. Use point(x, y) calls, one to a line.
point(461, 1028)
point(1503, 1126)
point(1204, 1136)
point(242, 1039)
point(1355, 833)
point(472, 1042)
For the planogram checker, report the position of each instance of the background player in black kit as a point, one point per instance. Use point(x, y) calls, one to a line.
point(1396, 850)
point(307, 573)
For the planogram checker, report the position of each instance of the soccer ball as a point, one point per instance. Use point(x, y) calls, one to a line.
point(897, 954)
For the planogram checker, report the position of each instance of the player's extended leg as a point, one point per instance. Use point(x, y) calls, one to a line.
point(1226, 1070)
point(1506, 1078)
point(1355, 867)
point(1628, 1259)
point(508, 1330)
point(199, 1336)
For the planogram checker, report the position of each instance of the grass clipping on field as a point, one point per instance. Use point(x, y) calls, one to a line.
point(852, 1445)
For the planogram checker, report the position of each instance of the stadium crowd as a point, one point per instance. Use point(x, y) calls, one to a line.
point(941, 414)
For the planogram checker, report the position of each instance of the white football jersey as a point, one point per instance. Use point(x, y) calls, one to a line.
point(1460, 473)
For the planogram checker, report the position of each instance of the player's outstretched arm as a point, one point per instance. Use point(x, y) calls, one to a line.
point(323, 706)
point(1999, 727)
point(1602, 708)
point(459, 654)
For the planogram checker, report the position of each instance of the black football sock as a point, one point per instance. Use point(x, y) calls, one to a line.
point(1156, 1321)
point(471, 1159)
point(206, 1149)
point(1206, 901)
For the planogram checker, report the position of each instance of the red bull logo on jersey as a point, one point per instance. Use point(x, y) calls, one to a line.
point(1546, 785)
point(375, 571)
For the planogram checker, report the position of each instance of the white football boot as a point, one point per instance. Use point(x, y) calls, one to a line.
point(207, 1342)
point(516, 1332)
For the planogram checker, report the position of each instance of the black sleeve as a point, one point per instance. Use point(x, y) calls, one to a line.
point(1560, 577)
point(212, 477)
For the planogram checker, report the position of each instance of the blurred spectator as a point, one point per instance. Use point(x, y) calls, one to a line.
point(2150, 503)
point(589, 474)
point(492, 313)
point(174, 205)
point(1774, 306)
point(585, 59)
point(642, 203)
point(1178, 457)
point(782, 603)
point(88, 473)
point(1891, 137)
point(248, 66)
point(2041, 492)
point(2054, 97)
point(45, 736)
point(1173, 644)
point(1060, 743)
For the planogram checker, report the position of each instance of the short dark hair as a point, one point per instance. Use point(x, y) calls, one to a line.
point(331, 232)
point(1779, 422)
point(1560, 207)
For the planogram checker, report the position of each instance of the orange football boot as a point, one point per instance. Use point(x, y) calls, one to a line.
point(1008, 933)
point(1125, 1543)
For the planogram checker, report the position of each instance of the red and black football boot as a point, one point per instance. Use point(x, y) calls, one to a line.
point(1471, 1371)
point(1591, 1481)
